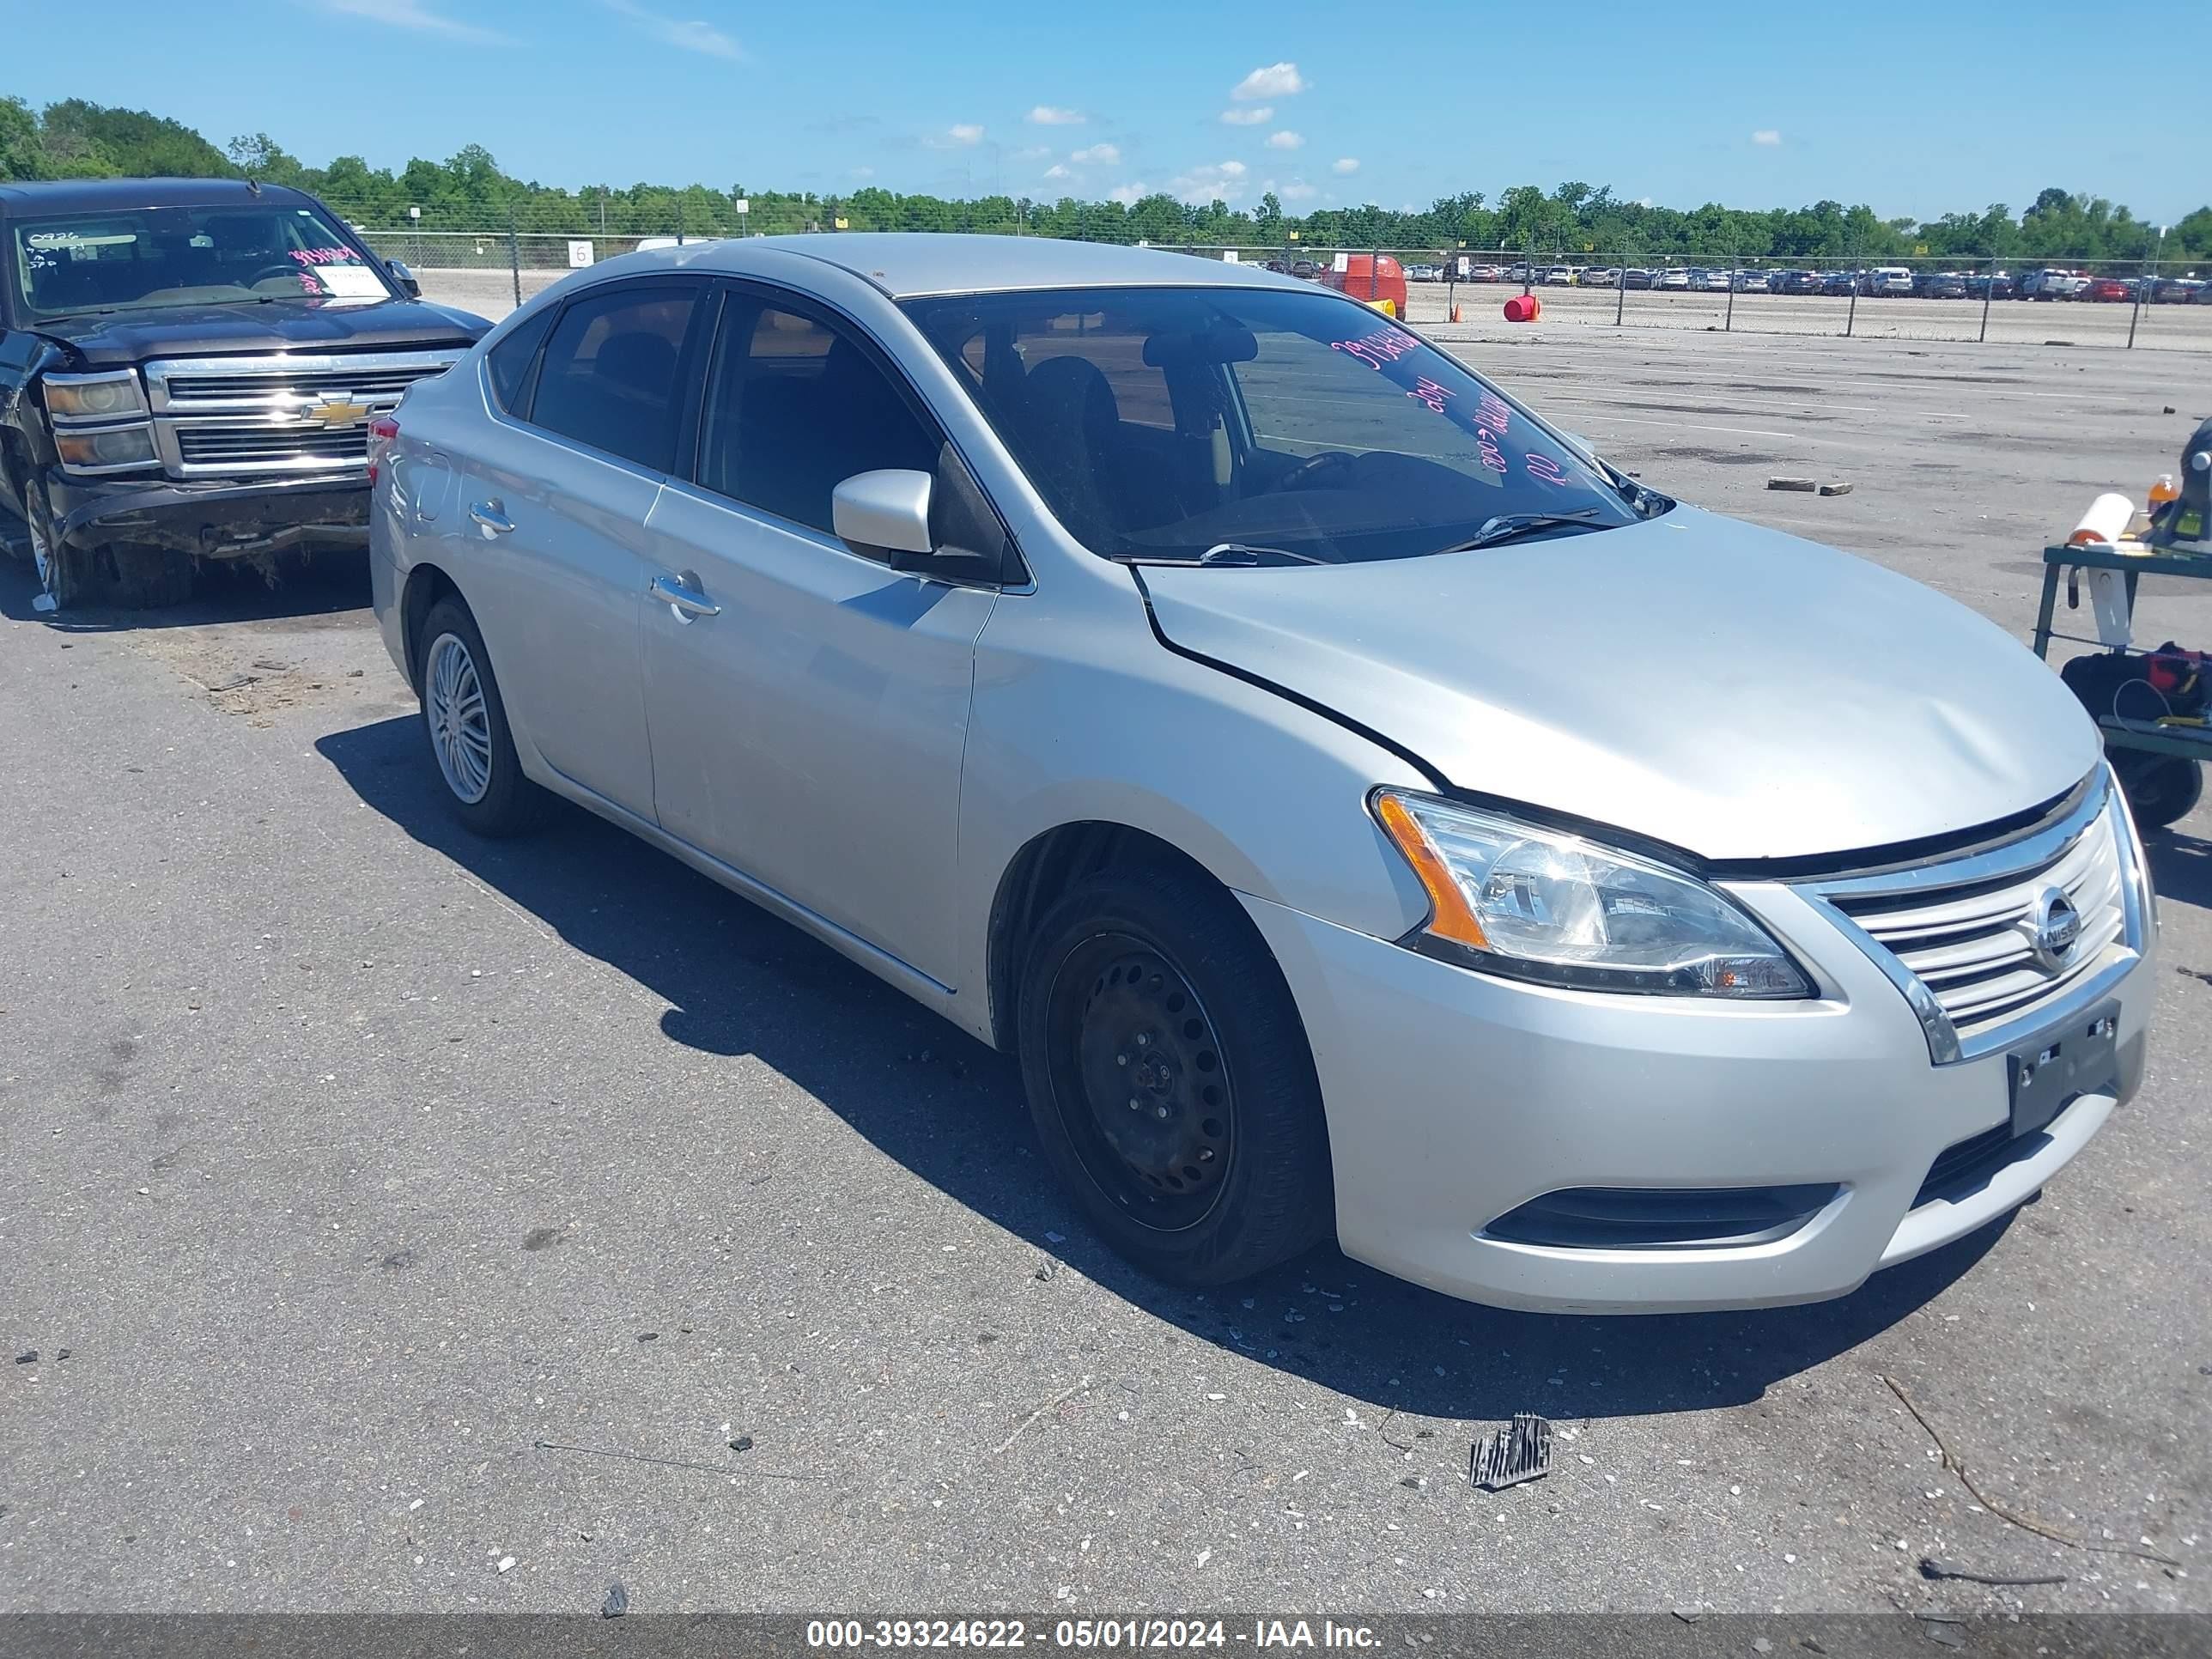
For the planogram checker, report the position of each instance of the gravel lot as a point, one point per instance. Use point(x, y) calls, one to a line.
point(349, 1159)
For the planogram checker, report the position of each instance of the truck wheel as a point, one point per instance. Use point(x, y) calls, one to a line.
point(140, 578)
point(62, 570)
point(1169, 1079)
point(2162, 789)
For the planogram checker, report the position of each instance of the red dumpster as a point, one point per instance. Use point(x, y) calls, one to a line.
point(1374, 277)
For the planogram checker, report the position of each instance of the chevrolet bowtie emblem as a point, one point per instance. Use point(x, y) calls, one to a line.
point(335, 411)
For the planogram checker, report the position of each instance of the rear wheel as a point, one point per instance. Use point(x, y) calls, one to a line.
point(1169, 1079)
point(465, 722)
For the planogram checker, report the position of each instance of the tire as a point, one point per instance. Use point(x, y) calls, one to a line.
point(2162, 789)
point(1149, 986)
point(464, 721)
point(63, 573)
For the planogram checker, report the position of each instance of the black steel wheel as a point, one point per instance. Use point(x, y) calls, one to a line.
point(1170, 1078)
point(2162, 789)
point(1140, 1081)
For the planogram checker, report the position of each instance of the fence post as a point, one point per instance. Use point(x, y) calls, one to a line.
point(679, 224)
point(1850, 316)
point(1374, 271)
point(1619, 294)
point(1989, 293)
point(514, 256)
point(1728, 322)
point(1528, 271)
point(2136, 314)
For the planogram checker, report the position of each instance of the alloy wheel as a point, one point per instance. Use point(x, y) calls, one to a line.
point(459, 721)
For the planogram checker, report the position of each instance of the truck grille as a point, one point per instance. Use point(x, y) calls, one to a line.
point(225, 417)
point(1961, 932)
point(222, 445)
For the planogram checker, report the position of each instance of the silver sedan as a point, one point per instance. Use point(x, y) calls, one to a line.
point(1367, 813)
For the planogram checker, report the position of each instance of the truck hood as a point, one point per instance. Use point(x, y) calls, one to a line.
point(117, 339)
point(1733, 691)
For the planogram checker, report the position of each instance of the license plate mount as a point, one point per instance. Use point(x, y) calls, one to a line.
point(2066, 1061)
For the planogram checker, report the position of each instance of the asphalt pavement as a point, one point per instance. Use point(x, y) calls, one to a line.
point(396, 1221)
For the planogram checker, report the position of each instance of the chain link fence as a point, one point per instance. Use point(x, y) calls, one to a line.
point(2059, 302)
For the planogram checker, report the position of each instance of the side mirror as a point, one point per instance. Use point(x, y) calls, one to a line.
point(405, 278)
point(885, 512)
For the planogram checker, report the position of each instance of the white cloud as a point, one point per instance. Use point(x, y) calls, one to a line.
point(1767, 136)
point(1223, 179)
point(1051, 115)
point(1127, 194)
point(1104, 155)
point(1300, 191)
point(1056, 171)
point(1285, 140)
point(411, 14)
point(1345, 164)
point(959, 135)
point(685, 34)
point(1248, 118)
point(1275, 81)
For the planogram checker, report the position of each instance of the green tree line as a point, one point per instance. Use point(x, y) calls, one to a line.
point(75, 138)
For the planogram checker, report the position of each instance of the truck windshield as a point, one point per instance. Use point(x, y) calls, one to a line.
point(172, 256)
point(1167, 423)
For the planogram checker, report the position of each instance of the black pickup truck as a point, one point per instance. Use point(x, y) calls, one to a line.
point(188, 370)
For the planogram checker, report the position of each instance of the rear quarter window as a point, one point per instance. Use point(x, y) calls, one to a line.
point(508, 363)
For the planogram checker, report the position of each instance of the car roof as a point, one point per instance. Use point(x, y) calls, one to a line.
point(905, 265)
point(95, 195)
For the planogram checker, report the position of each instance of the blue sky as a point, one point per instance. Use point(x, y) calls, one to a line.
point(1916, 110)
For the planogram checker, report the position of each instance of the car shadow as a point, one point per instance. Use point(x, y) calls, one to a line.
point(294, 586)
point(2181, 866)
point(950, 1110)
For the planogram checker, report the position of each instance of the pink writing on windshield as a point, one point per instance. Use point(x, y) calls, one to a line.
point(1491, 416)
point(1426, 390)
point(325, 256)
point(1384, 345)
point(1545, 469)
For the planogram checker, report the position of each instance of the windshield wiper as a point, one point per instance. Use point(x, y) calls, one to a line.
point(1509, 526)
point(1224, 553)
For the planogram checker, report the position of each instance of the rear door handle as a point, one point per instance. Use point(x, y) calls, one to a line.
point(492, 516)
point(680, 594)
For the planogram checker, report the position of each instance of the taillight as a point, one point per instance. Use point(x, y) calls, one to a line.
point(383, 433)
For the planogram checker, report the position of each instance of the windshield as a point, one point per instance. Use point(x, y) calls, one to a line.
point(1162, 422)
point(239, 254)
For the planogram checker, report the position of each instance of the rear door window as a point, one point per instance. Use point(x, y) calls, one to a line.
point(610, 374)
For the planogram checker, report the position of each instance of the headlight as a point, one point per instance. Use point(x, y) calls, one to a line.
point(126, 445)
point(93, 397)
point(1514, 898)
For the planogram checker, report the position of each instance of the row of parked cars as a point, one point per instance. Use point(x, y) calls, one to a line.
point(1874, 281)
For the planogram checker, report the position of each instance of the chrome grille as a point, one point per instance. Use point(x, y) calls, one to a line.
point(1957, 936)
point(235, 447)
point(221, 417)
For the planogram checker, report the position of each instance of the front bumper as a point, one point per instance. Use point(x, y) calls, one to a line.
point(214, 519)
point(1455, 1098)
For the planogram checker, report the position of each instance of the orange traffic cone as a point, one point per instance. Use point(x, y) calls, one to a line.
point(1455, 314)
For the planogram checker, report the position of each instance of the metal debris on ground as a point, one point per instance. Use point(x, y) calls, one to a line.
point(1520, 1451)
point(743, 1443)
point(1808, 485)
point(617, 1602)
point(1932, 1568)
point(1836, 487)
point(1046, 1269)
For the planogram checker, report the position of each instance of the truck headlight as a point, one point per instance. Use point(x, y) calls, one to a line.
point(117, 446)
point(93, 397)
point(1518, 899)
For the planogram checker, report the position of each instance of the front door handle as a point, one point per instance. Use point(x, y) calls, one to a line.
point(492, 516)
point(680, 594)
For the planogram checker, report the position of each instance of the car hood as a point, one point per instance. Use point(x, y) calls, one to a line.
point(1735, 692)
point(117, 339)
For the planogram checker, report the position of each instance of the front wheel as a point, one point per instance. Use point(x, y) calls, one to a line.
point(465, 720)
point(1170, 1078)
point(63, 571)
